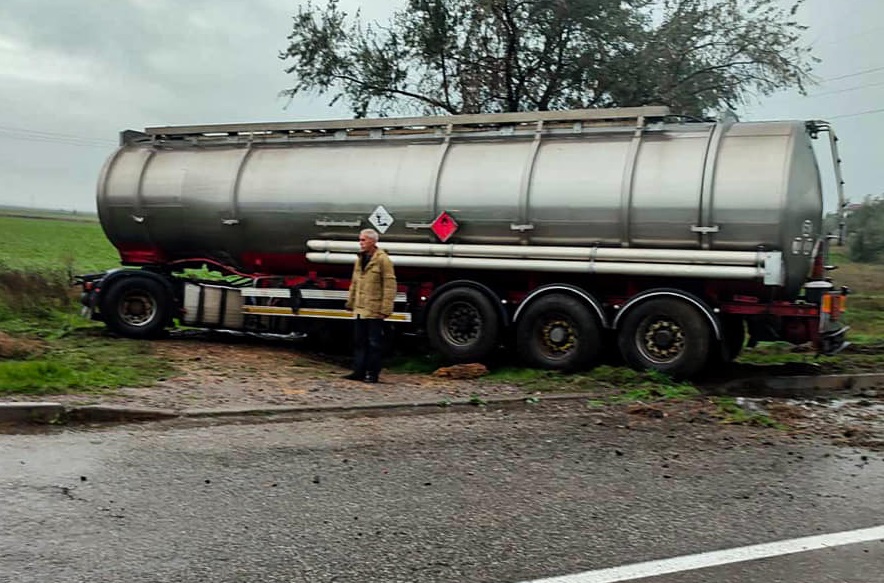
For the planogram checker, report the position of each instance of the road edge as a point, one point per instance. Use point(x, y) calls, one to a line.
point(49, 413)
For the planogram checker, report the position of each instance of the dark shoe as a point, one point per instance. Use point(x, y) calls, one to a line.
point(372, 378)
point(354, 376)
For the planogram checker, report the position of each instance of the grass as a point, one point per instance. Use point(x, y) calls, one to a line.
point(547, 380)
point(732, 413)
point(49, 348)
point(865, 304)
point(414, 364)
point(51, 245)
point(866, 354)
point(864, 315)
point(605, 384)
point(651, 392)
point(45, 346)
point(865, 279)
point(72, 365)
point(866, 300)
point(61, 353)
point(61, 215)
point(781, 353)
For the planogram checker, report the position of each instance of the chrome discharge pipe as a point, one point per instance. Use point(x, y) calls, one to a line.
point(736, 265)
point(699, 257)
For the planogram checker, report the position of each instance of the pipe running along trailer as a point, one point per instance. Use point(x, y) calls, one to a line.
point(554, 233)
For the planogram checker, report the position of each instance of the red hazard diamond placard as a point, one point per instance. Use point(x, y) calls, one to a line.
point(444, 226)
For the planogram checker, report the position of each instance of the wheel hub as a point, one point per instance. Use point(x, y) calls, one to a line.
point(558, 336)
point(664, 340)
point(137, 309)
point(463, 324)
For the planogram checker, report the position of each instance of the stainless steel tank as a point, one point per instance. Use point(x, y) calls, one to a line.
point(631, 178)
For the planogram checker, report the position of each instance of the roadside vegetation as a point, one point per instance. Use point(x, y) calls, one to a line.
point(55, 244)
point(864, 315)
point(47, 347)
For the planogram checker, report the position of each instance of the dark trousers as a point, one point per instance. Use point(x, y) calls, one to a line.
point(368, 346)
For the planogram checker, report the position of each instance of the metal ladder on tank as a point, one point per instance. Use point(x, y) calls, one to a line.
point(505, 124)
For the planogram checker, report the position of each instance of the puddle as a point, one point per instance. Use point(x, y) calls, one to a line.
point(858, 420)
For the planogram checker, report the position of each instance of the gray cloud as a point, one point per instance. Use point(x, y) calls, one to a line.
point(79, 72)
point(845, 36)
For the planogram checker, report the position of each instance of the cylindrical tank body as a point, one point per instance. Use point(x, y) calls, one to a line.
point(693, 186)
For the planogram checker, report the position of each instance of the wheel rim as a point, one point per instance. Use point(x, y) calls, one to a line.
point(137, 308)
point(461, 324)
point(661, 340)
point(558, 337)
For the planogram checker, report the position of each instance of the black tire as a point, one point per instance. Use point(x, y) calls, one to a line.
point(558, 332)
point(666, 335)
point(137, 307)
point(463, 325)
point(733, 338)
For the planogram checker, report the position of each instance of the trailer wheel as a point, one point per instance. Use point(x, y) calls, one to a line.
point(733, 337)
point(136, 307)
point(558, 332)
point(665, 335)
point(463, 325)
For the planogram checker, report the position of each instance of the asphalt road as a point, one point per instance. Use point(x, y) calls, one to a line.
point(504, 496)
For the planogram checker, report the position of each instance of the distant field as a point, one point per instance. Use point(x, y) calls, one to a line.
point(865, 305)
point(864, 278)
point(58, 243)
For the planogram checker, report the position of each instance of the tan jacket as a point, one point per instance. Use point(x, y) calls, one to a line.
point(372, 291)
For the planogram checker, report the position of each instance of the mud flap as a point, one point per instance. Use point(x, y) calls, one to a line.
point(832, 342)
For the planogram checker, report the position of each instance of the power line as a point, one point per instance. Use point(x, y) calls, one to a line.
point(848, 89)
point(44, 140)
point(52, 137)
point(871, 111)
point(857, 74)
point(18, 132)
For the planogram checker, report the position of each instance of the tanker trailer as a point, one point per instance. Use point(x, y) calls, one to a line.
point(550, 232)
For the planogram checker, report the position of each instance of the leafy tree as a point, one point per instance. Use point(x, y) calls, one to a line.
point(865, 227)
point(831, 223)
point(473, 56)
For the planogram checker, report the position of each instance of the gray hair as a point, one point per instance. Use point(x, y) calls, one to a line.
point(371, 234)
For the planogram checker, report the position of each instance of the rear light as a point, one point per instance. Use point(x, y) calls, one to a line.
point(839, 305)
point(834, 305)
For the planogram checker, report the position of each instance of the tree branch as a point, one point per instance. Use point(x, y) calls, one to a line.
point(380, 90)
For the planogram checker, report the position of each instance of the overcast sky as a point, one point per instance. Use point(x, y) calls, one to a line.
point(73, 73)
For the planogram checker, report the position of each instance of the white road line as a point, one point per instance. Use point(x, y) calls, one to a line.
point(716, 558)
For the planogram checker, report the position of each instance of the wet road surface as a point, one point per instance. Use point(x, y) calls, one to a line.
point(480, 496)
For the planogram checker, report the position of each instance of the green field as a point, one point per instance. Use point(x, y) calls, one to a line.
point(865, 304)
point(53, 244)
point(45, 346)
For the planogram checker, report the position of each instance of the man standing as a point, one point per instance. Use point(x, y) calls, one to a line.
point(372, 291)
